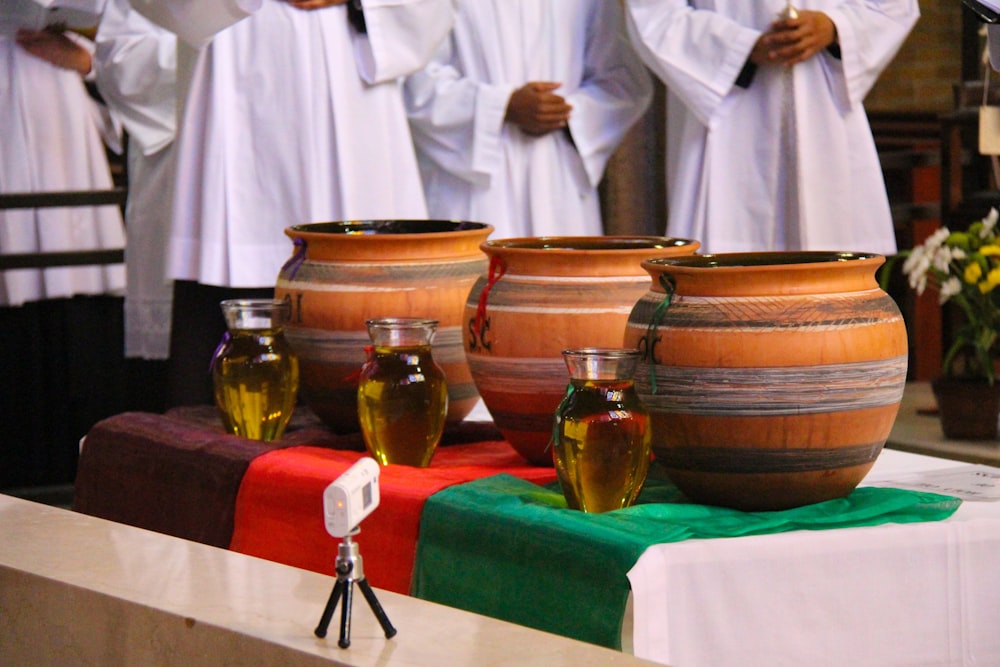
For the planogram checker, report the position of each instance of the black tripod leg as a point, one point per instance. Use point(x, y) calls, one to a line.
point(331, 604)
point(380, 614)
point(345, 617)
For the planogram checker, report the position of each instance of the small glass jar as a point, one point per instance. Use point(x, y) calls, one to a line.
point(254, 370)
point(402, 392)
point(602, 431)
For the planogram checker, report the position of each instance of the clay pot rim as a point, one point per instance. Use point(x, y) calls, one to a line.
point(773, 273)
point(777, 260)
point(362, 231)
point(563, 245)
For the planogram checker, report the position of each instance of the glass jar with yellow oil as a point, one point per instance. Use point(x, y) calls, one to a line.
point(254, 370)
point(602, 434)
point(402, 392)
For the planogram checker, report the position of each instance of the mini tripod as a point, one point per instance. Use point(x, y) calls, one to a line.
point(350, 570)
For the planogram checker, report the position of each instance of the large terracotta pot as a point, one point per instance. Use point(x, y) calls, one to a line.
point(542, 296)
point(772, 379)
point(344, 273)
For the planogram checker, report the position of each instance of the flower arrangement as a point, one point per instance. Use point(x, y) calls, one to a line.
point(964, 267)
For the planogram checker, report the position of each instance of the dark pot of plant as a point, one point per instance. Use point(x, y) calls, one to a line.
point(969, 407)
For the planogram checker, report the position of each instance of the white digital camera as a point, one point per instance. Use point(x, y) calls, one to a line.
point(351, 497)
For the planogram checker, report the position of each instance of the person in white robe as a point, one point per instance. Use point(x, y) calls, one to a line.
point(517, 114)
point(768, 143)
point(135, 69)
point(293, 113)
point(993, 44)
point(50, 130)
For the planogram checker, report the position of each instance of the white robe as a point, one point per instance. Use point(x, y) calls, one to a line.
point(475, 166)
point(293, 117)
point(135, 67)
point(736, 181)
point(50, 141)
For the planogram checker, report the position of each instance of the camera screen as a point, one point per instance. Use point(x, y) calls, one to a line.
point(366, 495)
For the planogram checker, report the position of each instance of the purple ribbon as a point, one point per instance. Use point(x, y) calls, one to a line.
point(291, 267)
point(218, 351)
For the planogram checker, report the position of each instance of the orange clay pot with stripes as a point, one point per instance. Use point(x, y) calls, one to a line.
point(772, 379)
point(344, 273)
point(543, 295)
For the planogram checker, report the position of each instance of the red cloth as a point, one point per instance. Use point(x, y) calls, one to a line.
point(279, 507)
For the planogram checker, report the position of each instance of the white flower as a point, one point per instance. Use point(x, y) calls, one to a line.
point(942, 258)
point(949, 288)
point(917, 271)
point(989, 222)
point(937, 238)
point(915, 257)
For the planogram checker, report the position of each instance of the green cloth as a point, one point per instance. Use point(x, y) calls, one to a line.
point(512, 550)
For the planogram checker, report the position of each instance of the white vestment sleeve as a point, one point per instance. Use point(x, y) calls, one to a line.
point(135, 64)
point(869, 35)
point(993, 38)
point(196, 21)
point(457, 122)
point(698, 54)
point(614, 93)
point(402, 35)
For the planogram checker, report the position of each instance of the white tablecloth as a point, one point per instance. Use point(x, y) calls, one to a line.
point(923, 594)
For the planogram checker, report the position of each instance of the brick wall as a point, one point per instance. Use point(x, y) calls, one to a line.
point(920, 78)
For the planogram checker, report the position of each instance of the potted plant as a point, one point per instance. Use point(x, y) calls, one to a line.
point(964, 268)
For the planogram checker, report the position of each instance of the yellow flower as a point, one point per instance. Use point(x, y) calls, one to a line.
point(973, 272)
point(988, 250)
point(992, 280)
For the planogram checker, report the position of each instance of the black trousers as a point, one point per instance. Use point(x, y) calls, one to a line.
point(197, 327)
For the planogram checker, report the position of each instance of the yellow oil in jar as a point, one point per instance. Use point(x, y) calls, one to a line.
point(256, 380)
point(402, 404)
point(602, 448)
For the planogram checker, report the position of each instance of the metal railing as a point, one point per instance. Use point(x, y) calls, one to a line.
point(115, 196)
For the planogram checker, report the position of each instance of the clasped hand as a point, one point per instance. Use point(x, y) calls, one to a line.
point(536, 109)
point(794, 40)
point(52, 45)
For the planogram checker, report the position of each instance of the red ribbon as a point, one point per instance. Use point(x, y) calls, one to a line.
point(497, 269)
point(355, 377)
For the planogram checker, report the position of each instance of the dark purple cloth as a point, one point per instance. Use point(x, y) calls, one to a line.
point(163, 474)
point(178, 473)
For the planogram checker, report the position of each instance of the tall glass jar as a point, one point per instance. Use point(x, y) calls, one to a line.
point(602, 431)
point(254, 370)
point(402, 392)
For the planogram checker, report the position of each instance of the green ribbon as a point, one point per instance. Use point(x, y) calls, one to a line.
point(669, 286)
point(570, 389)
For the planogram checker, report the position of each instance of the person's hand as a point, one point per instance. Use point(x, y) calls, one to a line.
point(314, 4)
point(56, 48)
point(794, 40)
point(536, 109)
